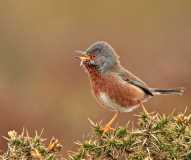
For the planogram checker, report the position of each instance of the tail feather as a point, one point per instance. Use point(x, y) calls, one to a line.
point(176, 91)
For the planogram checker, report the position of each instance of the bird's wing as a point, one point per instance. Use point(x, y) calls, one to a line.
point(134, 80)
point(140, 85)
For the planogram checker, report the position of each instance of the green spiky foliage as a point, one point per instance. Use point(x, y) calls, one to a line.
point(157, 137)
point(24, 147)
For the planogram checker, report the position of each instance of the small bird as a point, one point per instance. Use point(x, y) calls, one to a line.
point(114, 87)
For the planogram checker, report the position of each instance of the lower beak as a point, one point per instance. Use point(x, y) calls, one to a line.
point(83, 56)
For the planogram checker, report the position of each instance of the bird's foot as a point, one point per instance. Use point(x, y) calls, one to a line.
point(144, 109)
point(107, 129)
point(108, 125)
point(149, 114)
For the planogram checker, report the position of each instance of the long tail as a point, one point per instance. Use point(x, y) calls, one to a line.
point(176, 91)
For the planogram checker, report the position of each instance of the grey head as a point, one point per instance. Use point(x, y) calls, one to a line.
point(102, 56)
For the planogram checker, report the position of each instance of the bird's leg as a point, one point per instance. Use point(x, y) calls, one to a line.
point(108, 125)
point(144, 110)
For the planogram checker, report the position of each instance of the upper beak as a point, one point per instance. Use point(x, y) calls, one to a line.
point(83, 56)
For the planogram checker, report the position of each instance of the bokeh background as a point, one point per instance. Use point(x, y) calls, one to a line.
point(42, 86)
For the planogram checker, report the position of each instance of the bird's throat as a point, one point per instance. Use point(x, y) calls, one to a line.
point(92, 71)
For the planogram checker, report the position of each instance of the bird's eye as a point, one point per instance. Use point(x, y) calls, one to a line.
point(93, 56)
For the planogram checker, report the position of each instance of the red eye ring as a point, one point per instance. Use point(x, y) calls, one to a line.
point(93, 56)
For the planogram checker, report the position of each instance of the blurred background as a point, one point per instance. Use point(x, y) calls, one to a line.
point(42, 86)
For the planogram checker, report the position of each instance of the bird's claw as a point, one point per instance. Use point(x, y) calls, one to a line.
point(107, 129)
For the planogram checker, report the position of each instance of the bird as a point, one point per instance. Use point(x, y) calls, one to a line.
point(113, 86)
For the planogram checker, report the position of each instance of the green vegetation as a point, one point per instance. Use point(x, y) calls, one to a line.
point(23, 147)
point(157, 137)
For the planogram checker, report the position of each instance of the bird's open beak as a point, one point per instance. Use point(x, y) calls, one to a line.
point(83, 56)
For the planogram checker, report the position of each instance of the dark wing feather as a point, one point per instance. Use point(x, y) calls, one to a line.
point(134, 80)
point(140, 85)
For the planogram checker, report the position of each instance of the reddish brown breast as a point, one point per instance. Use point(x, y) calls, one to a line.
point(119, 91)
point(97, 81)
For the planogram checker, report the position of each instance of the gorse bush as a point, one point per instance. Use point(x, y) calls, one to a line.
point(23, 147)
point(157, 137)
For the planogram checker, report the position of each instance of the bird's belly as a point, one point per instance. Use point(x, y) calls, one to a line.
point(116, 95)
point(110, 104)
